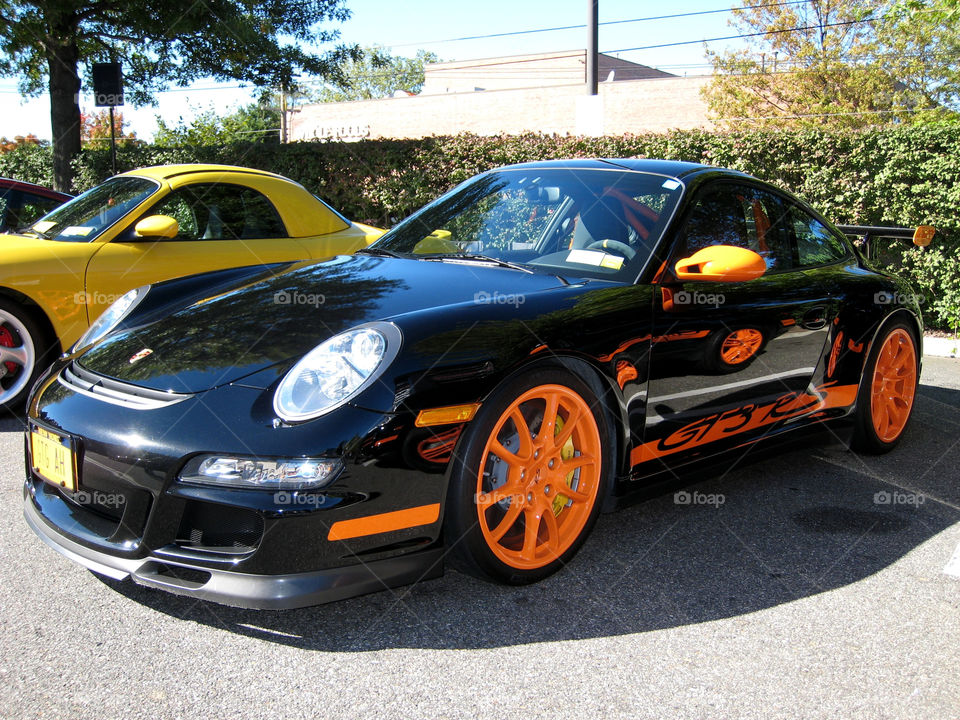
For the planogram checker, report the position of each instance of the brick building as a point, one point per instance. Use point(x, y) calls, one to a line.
point(512, 95)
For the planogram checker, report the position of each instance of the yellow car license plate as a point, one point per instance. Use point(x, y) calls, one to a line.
point(52, 458)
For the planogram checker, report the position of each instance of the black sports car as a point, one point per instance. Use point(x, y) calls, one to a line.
point(542, 342)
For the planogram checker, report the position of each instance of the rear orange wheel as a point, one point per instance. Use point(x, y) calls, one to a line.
point(533, 475)
point(887, 390)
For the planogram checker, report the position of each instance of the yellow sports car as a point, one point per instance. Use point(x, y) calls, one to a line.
point(140, 227)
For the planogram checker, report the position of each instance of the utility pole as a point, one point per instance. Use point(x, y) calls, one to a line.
point(283, 113)
point(593, 25)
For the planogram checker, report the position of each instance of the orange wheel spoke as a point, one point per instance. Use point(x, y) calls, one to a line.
point(549, 418)
point(568, 466)
point(523, 432)
point(575, 495)
point(569, 425)
point(554, 537)
point(504, 454)
point(531, 531)
point(508, 521)
point(492, 497)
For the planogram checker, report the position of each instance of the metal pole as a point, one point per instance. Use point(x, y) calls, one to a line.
point(113, 143)
point(593, 25)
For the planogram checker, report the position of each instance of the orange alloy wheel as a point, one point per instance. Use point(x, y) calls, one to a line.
point(741, 345)
point(894, 385)
point(539, 477)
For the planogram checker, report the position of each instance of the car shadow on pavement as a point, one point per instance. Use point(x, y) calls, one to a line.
point(786, 528)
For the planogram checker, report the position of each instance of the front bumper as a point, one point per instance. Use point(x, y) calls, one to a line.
point(266, 592)
point(131, 517)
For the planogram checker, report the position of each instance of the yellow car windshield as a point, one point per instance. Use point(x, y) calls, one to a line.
point(86, 216)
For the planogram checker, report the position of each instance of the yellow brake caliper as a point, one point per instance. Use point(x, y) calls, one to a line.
point(566, 452)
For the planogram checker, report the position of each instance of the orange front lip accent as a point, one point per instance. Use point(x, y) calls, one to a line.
point(384, 522)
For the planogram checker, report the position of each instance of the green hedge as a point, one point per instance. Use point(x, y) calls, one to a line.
point(896, 176)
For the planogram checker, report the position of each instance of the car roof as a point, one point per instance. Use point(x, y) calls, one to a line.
point(166, 172)
point(11, 184)
point(672, 168)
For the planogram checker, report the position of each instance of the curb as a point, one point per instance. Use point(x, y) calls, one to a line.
point(941, 347)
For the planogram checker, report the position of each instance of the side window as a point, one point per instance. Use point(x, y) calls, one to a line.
point(4, 203)
point(33, 207)
point(816, 245)
point(221, 212)
point(742, 216)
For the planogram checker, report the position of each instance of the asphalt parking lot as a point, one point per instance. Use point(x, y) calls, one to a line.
point(820, 586)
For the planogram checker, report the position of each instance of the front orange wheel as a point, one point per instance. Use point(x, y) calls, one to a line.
point(887, 390)
point(534, 475)
point(538, 478)
point(740, 345)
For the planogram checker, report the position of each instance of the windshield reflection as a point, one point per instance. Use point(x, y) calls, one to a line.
point(593, 223)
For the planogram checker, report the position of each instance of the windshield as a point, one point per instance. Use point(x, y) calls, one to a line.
point(86, 216)
point(592, 223)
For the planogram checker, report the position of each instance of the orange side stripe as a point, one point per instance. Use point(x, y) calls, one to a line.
point(384, 522)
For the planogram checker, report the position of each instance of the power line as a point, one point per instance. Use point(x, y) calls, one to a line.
point(583, 25)
point(745, 35)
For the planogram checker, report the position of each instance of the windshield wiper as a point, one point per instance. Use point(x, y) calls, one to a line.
point(382, 252)
point(471, 257)
point(41, 235)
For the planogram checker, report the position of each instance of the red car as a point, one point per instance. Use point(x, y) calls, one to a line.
point(22, 203)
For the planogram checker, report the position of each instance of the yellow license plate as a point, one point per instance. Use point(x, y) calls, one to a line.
point(52, 458)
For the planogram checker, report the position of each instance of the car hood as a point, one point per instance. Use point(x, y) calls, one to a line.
point(252, 326)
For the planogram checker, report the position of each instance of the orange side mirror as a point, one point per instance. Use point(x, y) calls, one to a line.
point(721, 263)
point(923, 235)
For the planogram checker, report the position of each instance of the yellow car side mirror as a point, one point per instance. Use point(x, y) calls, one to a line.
point(157, 226)
point(721, 263)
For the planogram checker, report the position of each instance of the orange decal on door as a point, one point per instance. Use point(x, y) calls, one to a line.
point(744, 419)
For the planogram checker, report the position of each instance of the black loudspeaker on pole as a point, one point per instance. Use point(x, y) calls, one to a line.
point(108, 92)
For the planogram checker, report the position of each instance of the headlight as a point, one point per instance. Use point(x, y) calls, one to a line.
point(112, 316)
point(335, 371)
point(255, 473)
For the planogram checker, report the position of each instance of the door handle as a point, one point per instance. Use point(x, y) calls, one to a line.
point(814, 318)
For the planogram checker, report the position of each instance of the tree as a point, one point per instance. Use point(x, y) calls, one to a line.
point(257, 122)
point(262, 42)
point(95, 128)
point(834, 62)
point(18, 141)
point(376, 74)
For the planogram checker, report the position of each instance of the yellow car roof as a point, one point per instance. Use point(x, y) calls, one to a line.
point(165, 172)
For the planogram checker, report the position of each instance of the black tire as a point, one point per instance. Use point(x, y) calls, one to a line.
point(25, 348)
point(887, 395)
point(519, 556)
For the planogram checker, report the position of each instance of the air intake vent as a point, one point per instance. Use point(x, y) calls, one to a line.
point(115, 392)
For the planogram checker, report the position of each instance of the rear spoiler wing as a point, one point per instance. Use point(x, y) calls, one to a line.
point(921, 236)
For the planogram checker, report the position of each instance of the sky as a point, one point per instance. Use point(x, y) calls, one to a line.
point(407, 26)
